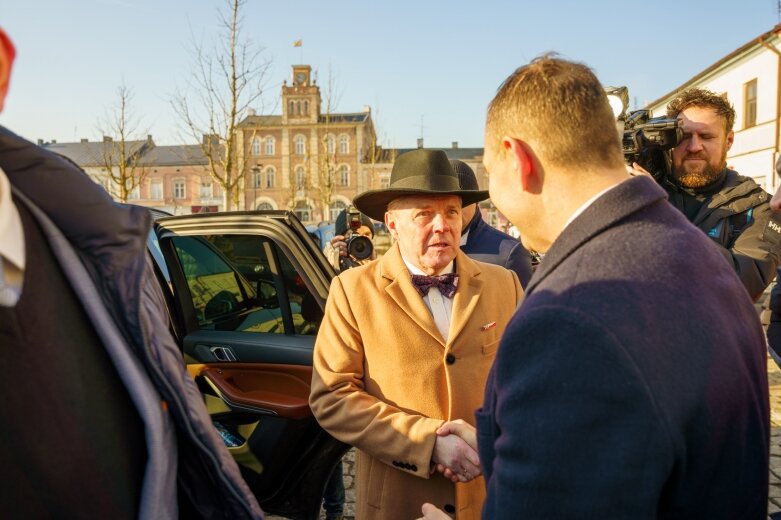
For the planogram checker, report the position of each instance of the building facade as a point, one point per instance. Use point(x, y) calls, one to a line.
point(309, 159)
point(749, 77)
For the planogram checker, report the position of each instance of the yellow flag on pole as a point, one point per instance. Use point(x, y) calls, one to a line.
point(298, 43)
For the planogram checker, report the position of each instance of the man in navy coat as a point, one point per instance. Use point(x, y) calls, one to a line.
point(631, 382)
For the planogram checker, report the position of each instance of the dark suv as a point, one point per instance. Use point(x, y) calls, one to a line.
point(245, 293)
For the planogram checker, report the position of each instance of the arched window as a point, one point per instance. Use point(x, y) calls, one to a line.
point(270, 145)
point(271, 174)
point(291, 108)
point(255, 180)
point(298, 107)
point(330, 141)
point(344, 144)
point(265, 206)
point(256, 146)
point(300, 178)
point(344, 175)
point(336, 207)
point(306, 107)
point(300, 144)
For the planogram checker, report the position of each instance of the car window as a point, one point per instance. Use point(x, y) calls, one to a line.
point(245, 283)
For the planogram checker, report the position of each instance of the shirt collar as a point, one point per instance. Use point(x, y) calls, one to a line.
point(586, 204)
point(11, 232)
point(413, 269)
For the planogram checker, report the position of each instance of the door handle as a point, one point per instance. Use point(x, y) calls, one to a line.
point(223, 353)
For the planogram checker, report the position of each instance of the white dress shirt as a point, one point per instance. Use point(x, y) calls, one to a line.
point(12, 259)
point(440, 307)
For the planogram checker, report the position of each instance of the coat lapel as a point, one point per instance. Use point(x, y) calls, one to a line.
point(404, 293)
point(467, 296)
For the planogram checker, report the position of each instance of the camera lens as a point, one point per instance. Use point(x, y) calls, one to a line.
point(359, 247)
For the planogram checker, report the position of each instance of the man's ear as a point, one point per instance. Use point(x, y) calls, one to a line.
point(390, 223)
point(7, 53)
point(730, 139)
point(522, 160)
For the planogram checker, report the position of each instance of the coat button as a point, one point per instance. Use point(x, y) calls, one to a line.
point(449, 508)
point(414, 467)
point(450, 359)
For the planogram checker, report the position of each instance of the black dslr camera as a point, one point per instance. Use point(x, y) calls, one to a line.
point(358, 247)
point(646, 141)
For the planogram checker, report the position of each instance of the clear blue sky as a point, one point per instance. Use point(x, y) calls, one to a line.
point(436, 60)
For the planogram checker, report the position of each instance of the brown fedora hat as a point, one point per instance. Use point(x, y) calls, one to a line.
point(419, 172)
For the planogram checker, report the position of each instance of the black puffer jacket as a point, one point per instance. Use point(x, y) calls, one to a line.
point(738, 218)
point(110, 241)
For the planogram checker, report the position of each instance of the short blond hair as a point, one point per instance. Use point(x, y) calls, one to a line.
point(561, 107)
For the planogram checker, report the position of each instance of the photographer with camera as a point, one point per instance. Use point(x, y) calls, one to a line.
point(352, 244)
point(731, 209)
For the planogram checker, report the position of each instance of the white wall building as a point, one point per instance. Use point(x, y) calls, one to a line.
point(750, 77)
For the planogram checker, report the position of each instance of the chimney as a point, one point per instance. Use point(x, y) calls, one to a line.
point(420, 142)
point(54, 141)
point(40, 142)
point(367, 109)
point(455, 145)
point(84, 140)
point(149, 139)
point(107, 139)
point(250, 112)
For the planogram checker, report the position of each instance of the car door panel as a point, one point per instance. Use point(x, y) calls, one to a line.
point(249, 290)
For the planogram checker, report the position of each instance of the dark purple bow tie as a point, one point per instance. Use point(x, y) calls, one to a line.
point(446, 283)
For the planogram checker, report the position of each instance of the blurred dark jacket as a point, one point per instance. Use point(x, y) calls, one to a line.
point(489, 245)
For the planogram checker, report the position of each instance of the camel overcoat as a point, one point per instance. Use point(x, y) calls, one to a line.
point(384, 379)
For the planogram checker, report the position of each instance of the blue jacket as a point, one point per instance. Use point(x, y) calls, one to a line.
point(101, 248)
point(631, 382)
point(491, 246)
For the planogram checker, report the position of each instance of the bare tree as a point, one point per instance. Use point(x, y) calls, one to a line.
point(121, 154)
point(326, 158)
point(227, 81)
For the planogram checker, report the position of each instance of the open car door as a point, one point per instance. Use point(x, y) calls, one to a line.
point(246, 293)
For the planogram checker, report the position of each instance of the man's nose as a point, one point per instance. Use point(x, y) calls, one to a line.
point(775, 202)
point(695, 143)
point(440, 223)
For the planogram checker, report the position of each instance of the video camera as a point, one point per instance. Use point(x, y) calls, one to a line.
point(358, 247)
point(644, 140)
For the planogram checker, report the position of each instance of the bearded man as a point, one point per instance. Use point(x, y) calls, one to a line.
point(731, 209)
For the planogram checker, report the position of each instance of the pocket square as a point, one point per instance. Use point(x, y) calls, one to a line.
point(488, 326)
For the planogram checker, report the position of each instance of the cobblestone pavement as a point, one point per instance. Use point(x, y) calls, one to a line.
point(774, 381)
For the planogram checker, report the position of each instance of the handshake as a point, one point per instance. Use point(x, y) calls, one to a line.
point(455, 452)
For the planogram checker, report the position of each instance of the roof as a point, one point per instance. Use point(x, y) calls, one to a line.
point(93, 153)
point(755, 42)
point(356, 117)
point(261, 121)
point(176, 155)
point(462, 154)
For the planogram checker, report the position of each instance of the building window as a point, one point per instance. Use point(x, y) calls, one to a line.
point(300, 178)
point(291, 108)
point(306, 107)
point(300, 144)
point(269, 145)
point(303, 211)
point(256, 146)
point(336, 207)
point(206, 189)
point(265, 206)
point(271, 174)
point(344, 144)
point(750, 104)
point(255, 182)
point(384, 183)
point(134, 194)
point(156, 189)
point(179, 189)
point(330, 144)
point(344, 175)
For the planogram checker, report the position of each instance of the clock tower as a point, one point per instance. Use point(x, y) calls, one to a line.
point(301, 99)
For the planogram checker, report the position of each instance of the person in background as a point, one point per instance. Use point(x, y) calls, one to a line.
point(484, 243)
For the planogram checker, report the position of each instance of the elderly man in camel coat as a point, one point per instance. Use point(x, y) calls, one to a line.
point(407, 343)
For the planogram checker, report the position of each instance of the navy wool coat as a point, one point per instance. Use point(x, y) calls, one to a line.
point(489, 245)
point(631, 382)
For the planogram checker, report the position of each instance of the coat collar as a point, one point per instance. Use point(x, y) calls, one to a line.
point(618, 203)
point(409, 301)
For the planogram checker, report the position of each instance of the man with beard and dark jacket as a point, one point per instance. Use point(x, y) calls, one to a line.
point(484, 243)
point(100, 418)
point(731, 209)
